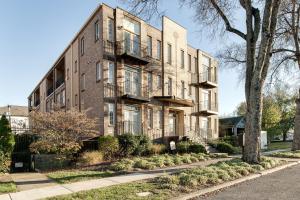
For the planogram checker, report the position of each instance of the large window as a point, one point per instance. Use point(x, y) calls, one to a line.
point(169, 53)
point(110, 28)
point(150, 81)
point(182, 59)
point(82, 46)
point(132, 81)
point(149, 46)
point(97, 31)
point(158, 50)
point(160, 119)
point(98, 71)
point(111, 73)
point(150, 118)
point(111, 113)
point(170, 86)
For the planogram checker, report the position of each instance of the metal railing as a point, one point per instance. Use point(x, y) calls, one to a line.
point(59, 82)
point(130, 127)
point(126, 88)
point(50, 91)
point(132, 47)
point(36, 102)
point(206, 106)
point(109, 47)
point(208, 76)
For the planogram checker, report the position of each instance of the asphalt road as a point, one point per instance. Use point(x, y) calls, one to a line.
point(281, 185)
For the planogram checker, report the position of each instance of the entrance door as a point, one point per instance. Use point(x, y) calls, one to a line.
point(132, 120)
point(172, 124)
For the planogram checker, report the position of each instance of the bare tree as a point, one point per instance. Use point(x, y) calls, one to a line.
point(260, 23)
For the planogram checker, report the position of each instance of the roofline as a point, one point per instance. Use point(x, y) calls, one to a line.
point(173, 21)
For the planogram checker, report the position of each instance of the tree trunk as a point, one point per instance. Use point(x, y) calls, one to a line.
point(253, 126)
point(296, 140)
point(284, 137)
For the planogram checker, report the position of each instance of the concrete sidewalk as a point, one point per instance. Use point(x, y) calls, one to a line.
point(54, 190)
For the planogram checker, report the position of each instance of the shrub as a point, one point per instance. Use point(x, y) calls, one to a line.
point(109, 145)
point(124, 164)
point(7, 140)
point(4, 162)
point(197, 148)
point(182, 147)
point(226, 148)
point(168, 181)
point(90, 158)
point(187, 179)
point(158, 149)
point(143, 145)
point(127, 144)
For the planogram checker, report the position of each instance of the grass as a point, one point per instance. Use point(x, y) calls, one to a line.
point(287, 154)
point(6, 187)
point(169, 186)
point(279, 145)
point(69, 176)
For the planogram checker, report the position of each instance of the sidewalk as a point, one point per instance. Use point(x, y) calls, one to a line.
point(54, 190)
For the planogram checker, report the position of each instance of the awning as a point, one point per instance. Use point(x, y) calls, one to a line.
point(174, 101)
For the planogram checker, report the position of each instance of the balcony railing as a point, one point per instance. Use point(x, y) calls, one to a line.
point(109, 90)
point(130, 127)
point(208, 76)
point(36, 102)
point(109, 47)
point(49, 91)
point(207, 79)
point(59, 82)
point(205, 108)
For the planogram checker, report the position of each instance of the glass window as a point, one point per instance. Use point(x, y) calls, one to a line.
point(68, 73)
point(63, 98)
point(159, 81)
point(75, 66)
point(149, 46)
point(111, 30)
point(160, 119)
point(170, 86)
point(196, 64)
point(150, 80)
point(132, 26)
point(111, 72)
point(190, 90)
point(150, 118)
point(182, 59)
point(98, 71)
point(182, 90)
point(97, 31)
point(83, 82)
point(76, 99)
point(111, 113)
point(158, 49)
point(82, 46)
point(169, 53)
point(190, 62)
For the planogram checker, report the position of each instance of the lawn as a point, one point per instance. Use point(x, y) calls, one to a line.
point(69, 176)
point(6, 187)
point(279, 145)
point(170, 186)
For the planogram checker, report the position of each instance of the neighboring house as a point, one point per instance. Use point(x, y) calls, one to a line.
point(134, 78)
point(17, 116)
point(230, 126)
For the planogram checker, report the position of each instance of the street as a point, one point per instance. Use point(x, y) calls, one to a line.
point(279, 185)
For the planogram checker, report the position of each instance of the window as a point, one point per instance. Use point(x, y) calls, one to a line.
point(149, 46)
point(190, 90)
point(150, 118)
point(158, 50)
point(182, 90)
point(169, 53)
point(182, 59)
point(76, 99)
point(75, 66)
point(82, 82)
point(111, 113)
point(196, 64)
point(170, 86)
point(63, 98)
point(160, 119)
point(111, 30)
point(82, 46)
point(68, 73)
point(58, 98)
point(97, 31)
point(150, 81)
point(190, 62)
point(111, 73)
point(98, 71)
point(159, 81)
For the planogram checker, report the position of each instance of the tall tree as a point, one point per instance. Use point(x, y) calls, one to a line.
point(260, 23)
point(7, 140)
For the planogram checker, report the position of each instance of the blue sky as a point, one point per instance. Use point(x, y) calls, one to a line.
point(35, 32)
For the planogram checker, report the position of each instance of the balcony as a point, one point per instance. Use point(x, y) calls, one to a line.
point(174, 101)
point(133, 51)
point(206, 80)
point(109, 50)
point(130, 127)
point(205, 108)
point(59, 82)
point(37, 103)
point(49, 91)
point(109, 91)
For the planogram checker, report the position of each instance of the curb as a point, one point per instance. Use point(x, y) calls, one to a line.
point(234, 182)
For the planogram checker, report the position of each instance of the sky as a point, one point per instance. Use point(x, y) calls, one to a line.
point(33, 33)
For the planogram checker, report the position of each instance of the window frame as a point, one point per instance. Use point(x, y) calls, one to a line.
point(82, 46)
point(150, 118)
point(97, 31)
point(110, 29)
point(190, 62)
point(82, 85)
point(111, 114)
point(182, 58)
point(149, 45)
point(169, 50)
point(98, 71)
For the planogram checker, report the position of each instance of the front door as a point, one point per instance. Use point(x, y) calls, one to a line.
point(172, 124)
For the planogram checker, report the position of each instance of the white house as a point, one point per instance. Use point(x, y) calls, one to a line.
point(17, 116)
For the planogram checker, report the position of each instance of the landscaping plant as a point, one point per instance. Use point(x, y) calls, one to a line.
point(109, 146)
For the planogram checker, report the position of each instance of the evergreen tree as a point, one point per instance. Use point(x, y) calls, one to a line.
point(7, 140)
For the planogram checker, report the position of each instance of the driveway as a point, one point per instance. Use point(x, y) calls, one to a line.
point(279, 185)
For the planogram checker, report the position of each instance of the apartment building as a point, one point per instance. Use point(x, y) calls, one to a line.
point(134, 78)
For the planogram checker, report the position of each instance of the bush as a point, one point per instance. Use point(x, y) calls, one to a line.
point(127, 144)
point(4, 162)
point(182, 147)
point(143, 146)
point(197, 148)
point(158, 149)
point(124, 164)
point(109, 145)
point(90, 158)
point(226, 148)
point(167, 181)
